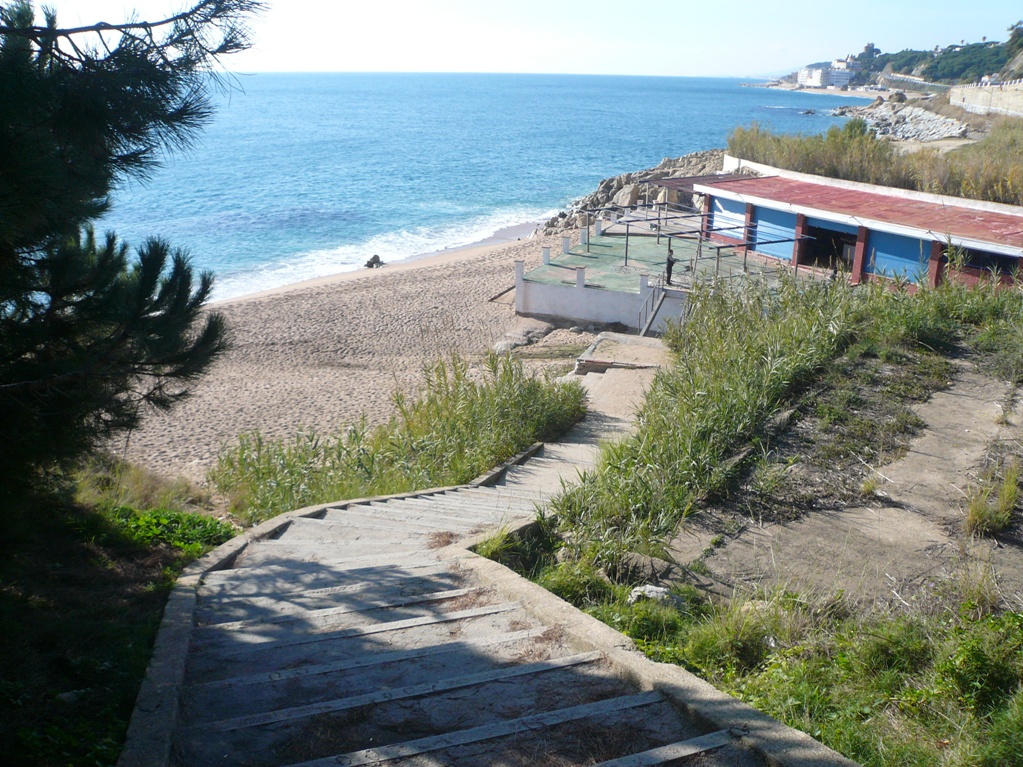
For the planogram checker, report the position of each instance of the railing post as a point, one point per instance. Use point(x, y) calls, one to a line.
point(566, 244)
point(546, 256)
point(520, 273)
point(580, 277)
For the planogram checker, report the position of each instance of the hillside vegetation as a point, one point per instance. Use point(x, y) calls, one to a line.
point(991, 169)
point(935, 682)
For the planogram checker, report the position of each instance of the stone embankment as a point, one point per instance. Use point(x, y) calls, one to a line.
point(626, 189)
point(903, 122)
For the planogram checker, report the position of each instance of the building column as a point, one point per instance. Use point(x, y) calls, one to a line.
point(747, 229)
point(520, 273)
point(708, 204)
point(936, 265)
point(860, 256)
point(799, 246)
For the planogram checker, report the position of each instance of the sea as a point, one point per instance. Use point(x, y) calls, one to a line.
point(300, 176)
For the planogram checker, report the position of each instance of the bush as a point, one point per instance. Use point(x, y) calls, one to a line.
point(991, 169)
point(456, 429)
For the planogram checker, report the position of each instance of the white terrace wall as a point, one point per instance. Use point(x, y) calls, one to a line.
point(586, 303)
point(998, 99)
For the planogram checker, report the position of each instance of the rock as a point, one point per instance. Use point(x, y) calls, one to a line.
point(627, 197)
point(656, 594)
point(695, 164)
point(374, 262)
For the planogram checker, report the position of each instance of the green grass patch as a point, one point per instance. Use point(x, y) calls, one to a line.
point(462, 423)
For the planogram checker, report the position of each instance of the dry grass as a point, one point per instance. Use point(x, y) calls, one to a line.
point(440, 539)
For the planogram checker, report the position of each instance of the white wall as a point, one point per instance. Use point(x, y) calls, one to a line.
point(590, 304)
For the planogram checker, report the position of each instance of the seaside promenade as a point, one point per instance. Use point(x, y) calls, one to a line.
point(368, 632)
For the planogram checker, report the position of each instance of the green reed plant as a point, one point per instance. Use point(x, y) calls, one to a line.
point(991, 169)
point(739, 352)
point(463, 422)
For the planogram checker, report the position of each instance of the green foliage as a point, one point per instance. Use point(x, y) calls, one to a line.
point(578, 582)
point(991, 169)
point(754, 346)
point(87, 340)
point(991, 504)
point(967, 63)
point(457, 428)
point(191, 533)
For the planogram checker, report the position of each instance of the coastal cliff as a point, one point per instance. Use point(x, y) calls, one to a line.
point(626, 189)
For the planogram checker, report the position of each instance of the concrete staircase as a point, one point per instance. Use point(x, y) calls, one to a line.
point(368, 633)
point(346, 639)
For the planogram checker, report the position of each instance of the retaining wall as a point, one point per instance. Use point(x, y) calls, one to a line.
point(1000, 99)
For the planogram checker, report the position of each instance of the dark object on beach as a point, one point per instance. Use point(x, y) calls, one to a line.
point(670, 265)
point(374, 263)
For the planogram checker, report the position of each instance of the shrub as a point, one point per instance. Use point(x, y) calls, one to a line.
point(460, 425)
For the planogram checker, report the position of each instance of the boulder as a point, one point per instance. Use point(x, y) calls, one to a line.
point(627, 197)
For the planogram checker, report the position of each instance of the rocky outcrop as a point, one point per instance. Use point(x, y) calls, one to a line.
point(906, 123)
point(627, 189)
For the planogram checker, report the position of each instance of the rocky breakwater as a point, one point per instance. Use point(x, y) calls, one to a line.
point(906, 123)
point(627, 189)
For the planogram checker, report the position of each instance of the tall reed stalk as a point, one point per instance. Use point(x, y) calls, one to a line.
point(462, 423)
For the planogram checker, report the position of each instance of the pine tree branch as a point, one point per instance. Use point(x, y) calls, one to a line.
point(231, 7)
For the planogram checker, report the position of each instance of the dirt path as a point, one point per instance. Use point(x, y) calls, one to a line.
point(909, 537)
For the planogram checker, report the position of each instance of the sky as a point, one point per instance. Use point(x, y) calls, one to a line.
point(741, 38)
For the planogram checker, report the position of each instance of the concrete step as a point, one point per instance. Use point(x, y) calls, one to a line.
point(285, 579)
point(439, 515)
point(383, 716)
point(265, 553)
point(244, 634)
point(223, 608)
point(321, 647)
point(672, 752)
point(476, 745)
point(351, 532)
point(456, 513)
point(269, 691)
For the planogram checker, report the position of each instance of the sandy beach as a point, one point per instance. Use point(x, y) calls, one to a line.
point(321, 354)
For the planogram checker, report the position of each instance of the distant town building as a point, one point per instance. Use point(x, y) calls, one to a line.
point(837, 75)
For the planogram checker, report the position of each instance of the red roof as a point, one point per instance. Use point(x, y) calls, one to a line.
point(938, 219)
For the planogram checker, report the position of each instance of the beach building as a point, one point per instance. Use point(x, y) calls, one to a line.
point(760, 226)
point(867, 230)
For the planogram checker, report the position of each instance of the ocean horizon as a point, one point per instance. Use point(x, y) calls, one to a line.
point(300, 176)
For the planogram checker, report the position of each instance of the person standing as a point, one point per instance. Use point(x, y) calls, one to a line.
point(671, 264)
